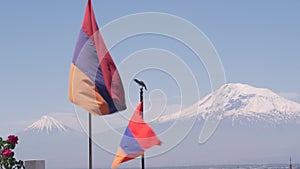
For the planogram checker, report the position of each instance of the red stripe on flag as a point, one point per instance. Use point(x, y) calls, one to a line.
point(89, 24)
point(141, 130)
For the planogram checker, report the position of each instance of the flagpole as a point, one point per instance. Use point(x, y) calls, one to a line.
point(142, 86)
point(90, 142)
point(142, 107)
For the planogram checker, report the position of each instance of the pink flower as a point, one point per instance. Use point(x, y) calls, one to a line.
point(13, 139)
point(7, 153)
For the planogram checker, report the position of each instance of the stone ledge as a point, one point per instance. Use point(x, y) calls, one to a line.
point(34, 164)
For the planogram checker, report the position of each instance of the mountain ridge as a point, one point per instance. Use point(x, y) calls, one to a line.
point(242, 101)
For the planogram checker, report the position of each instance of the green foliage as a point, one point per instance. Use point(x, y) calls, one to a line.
point(7, 160)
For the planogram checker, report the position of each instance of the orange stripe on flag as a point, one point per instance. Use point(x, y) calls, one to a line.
point(121, 157)
point(83, 92)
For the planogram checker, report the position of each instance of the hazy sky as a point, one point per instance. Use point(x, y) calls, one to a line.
point(257, 42)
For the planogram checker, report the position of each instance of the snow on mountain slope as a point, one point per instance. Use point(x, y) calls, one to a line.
point(242, 102)
point(47, 124)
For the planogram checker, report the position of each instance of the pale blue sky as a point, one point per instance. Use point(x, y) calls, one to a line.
point(257, 41)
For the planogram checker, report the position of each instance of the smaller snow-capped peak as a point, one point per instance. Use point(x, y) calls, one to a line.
point(47, 124)
point(241, 101)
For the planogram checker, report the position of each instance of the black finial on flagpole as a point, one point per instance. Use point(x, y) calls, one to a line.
point(141, 83)
point(142, 86)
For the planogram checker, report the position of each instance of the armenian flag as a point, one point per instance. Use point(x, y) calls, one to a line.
point(138, 137)
point(94, 82)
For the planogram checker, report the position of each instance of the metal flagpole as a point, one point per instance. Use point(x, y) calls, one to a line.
point(90, 142)
point(142, 86)
point(142, 100)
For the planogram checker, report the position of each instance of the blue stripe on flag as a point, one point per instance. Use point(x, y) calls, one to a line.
point(82, 38)
point(129, 144)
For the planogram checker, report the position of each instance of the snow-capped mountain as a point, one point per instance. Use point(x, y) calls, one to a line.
point(240, 102)
point(48, 138)
point(46, 124)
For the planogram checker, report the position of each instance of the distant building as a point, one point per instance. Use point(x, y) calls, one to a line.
point(291, 167)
